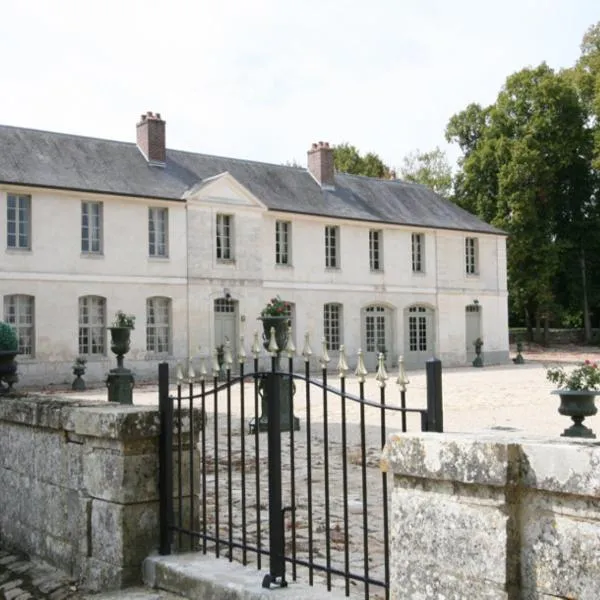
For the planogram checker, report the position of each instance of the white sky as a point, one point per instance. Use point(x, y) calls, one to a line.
point(262, 79)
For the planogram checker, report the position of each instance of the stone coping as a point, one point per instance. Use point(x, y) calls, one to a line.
point(561, 465)
point(86, 417)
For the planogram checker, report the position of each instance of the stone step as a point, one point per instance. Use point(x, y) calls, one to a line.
point(198, 576)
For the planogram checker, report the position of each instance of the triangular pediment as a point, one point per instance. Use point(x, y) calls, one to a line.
point(222, 189)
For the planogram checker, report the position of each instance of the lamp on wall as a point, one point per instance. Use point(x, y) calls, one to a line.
point(475, 302)
point(227, 293)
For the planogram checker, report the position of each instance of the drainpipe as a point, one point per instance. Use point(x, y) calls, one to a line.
point(437, 300)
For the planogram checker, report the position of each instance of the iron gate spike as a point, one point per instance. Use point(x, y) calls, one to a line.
point(324, 354)
point(402, 380)
point(203, 371)
point(273, 347)
point(227, 358)
point(289, 347)
point(241, 351)
point(342, 362)
point(306, 351)
point(215, 363)
point(255, 345)
point(382, 375)
point(191, 372)
point(179, 373)
point(361, 371)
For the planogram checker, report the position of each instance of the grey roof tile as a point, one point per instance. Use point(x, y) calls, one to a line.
point(56, 160)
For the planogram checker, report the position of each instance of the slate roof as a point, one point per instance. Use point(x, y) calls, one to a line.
point(56, 160)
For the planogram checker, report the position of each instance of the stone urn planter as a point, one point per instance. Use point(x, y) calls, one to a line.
point(577, 404)
point(578, 391)
point(79, 370)
point(120, 380)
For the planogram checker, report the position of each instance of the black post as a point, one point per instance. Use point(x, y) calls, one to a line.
point(165, 459)
point(435, 417)
point(276, 528)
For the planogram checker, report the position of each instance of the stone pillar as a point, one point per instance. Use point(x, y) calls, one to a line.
point(488, 516)
point(79, 485)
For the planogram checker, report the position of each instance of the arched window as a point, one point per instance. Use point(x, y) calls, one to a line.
point(92, 325)
point(158, 325)
point(19, 312)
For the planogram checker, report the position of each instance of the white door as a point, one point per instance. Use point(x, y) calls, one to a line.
point(472, 329)
point(226, 324)
point(419, 336)
point(376, 335)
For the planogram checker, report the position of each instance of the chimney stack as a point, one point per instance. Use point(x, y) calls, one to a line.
point(151, 139)
point(320, 164)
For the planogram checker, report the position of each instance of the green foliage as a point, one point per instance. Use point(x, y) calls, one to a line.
point(585, 377)
point(124, 320)
point(347, 159)
point(276, 307)
point(9, 342)
point(429, 168)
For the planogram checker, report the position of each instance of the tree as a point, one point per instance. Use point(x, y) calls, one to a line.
point(525, 168)
point(347, 159)
point(429, 168)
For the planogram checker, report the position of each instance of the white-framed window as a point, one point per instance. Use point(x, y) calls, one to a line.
point(332, 247)
point(158, 231)
point(92, 326)
point(471, 256)
point(332, 325)
point(18, 221)
point(224, 238)
point(418, 252)
point(376, 249)
point(283, 232)
point(19, 311)
point(91, 227)
point(417, 329)
point(375, 334)
point(158, 325)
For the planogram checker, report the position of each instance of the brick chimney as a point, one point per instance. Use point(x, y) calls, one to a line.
point(320, 163)
point(151, 139)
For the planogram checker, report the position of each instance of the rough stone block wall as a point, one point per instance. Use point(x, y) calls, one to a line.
point(79, 486)
point(494, 517)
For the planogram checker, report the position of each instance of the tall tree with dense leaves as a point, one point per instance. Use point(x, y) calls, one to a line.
point(429, 168)
point(524, 167)
point(347, 159)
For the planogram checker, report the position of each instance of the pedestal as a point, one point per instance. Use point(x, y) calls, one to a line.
point(286, 417)
point(120, 382)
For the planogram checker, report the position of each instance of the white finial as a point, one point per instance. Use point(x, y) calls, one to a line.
point(179, 373)
point(255, 345)
point(289, 346)
point(215, 364)
point(241, 351)
point(203, 372)
point(382, 375)
point(191, 372)
point(402, 380)
point(324, 354)
point(306, 351)
point(273, 347)
point(361, 371)
point(342, 362)
point(227, 358)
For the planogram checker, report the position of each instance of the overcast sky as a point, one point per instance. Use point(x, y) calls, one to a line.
point(262, 79)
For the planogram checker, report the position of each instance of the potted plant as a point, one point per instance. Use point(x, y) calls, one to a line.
point(478, 361)
point(577, 390)
point(120, 332)
point(78, 371)
point(275, 314)
point(9, 348)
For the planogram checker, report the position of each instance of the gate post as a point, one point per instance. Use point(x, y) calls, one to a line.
point(435, 416)
point(165, 459)
point(276, 521)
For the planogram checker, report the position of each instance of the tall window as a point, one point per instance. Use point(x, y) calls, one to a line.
point(92, 325)
point(158, 325)
point(417, 329)
point(375, 329)
point(18, 221)
point(332, 250)
point(19, 312)
point(418, 247)
point(376, 249)
point(224, 237)
point(332, 325)
point(158, 228)
point(282, 242)
point(471, 258)
point(91, 227)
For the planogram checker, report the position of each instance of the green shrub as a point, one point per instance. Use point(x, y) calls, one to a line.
point(8, 338)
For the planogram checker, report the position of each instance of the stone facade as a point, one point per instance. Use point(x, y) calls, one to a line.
point(494, 517)
point(79, 486)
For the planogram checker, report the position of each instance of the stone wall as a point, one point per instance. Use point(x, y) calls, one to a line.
point(79, 486)
point(494, 517)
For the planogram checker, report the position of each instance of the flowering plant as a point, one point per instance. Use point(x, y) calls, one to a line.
point(585, 377)
point(276, 307)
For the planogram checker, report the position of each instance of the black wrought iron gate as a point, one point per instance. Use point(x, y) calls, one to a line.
point(224, 443)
